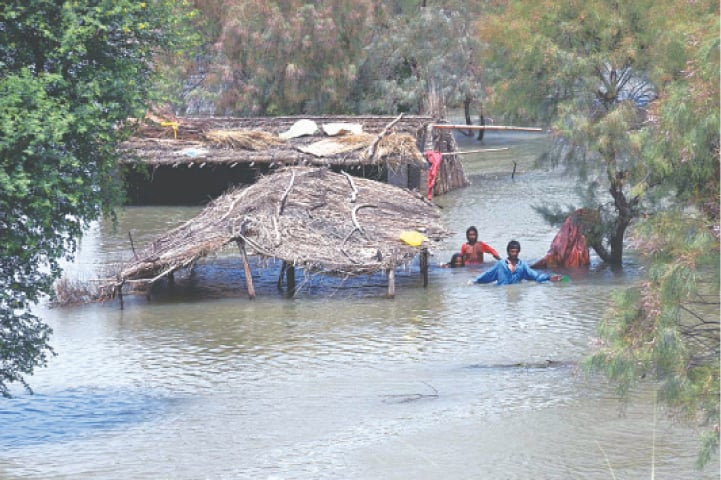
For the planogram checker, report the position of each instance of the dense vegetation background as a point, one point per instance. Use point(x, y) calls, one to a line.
point(629, 89)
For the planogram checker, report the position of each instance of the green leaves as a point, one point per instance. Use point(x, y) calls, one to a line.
point(632, 91)
point(72, 74)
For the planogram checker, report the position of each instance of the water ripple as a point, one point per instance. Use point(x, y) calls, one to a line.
point(70, 414)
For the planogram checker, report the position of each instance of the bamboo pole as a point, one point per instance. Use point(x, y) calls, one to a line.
point(482, 150)
point(246, 267)
point(485, 127)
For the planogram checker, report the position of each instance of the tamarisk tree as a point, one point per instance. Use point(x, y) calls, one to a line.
point(632, 92)
point(581, 67)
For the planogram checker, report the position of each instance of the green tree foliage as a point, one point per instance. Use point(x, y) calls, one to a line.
point(289, 57)
point(581, 67)
point(423, 51)
point(340, 56)
point(71, 74)
point(667, 328)
point(632, 91)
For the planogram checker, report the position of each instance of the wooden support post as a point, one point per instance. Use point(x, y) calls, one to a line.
point(391, 283)
point(246, 268)
point(290, 279)
point(282, 272)
point(119, 290)
point(424, 266)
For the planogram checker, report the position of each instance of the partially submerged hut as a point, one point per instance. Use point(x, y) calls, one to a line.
point(187, 160)
point(308, 217)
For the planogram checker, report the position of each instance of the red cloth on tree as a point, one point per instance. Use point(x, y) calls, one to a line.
point(434, 158)
point(568, 248)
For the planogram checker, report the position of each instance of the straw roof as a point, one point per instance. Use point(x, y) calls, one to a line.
point(266, 140)
point(308, 217)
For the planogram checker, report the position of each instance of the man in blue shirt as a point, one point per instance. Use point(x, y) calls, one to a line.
point(513, 270)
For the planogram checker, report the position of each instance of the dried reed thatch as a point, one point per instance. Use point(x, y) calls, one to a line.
point(308, 217)
point(243, 139)
point(393, 149)
point(219, 141)
point(398, 149)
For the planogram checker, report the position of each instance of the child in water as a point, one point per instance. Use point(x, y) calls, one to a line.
point(456, 261)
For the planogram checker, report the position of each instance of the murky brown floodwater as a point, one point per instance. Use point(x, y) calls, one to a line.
point(340, 383)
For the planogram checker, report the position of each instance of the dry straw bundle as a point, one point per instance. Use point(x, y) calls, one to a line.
point(242, 139)
point(398, 149)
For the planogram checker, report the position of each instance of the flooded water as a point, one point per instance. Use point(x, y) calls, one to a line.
point(451, 381)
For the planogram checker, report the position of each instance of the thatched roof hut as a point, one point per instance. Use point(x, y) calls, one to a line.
point(265, 140)
point(237, 150)
point(310, 218)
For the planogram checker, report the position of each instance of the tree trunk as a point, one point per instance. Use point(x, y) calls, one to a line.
point(482, 122)
point(626, 213)
point(467, 112)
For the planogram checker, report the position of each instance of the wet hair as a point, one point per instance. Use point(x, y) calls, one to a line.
point(513, 244)
point(454, 259)
point(472, 229)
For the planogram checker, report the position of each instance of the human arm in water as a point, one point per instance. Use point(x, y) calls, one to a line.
point(531, 274)
point(501, 273)
point(489, 249)
point(490, 275)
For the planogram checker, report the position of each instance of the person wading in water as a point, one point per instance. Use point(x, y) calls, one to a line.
point(473, 250)
point(513, 270)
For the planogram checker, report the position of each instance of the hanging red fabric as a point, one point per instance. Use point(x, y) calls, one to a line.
point(434, 158)
point(568, 248)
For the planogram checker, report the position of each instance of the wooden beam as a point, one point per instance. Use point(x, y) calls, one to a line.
point(485, 127)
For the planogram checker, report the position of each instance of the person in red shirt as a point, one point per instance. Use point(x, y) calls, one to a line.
point(473, 250)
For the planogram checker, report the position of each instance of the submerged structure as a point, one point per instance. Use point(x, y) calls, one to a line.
point(191, 159)
point(310, 218)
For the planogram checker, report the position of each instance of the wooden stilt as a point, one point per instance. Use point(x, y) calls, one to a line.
point(424, 266)
point(290, 279)
point(391, 283)
point(282, 272)
point(119, 291)
point(246, 268)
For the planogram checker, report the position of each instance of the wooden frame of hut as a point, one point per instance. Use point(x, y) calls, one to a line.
point(308, 217)
point(226, 151)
